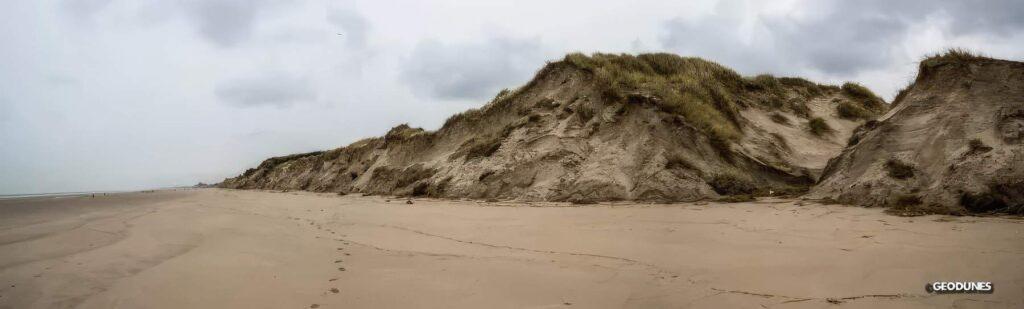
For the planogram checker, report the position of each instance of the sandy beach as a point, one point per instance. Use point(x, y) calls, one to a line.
point(213, 248)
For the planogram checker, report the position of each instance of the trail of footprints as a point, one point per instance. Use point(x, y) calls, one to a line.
point(338, 263)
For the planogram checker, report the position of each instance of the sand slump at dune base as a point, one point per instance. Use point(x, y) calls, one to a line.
point(215, 248)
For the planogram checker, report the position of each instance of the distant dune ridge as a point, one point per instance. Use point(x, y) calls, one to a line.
point(653, 127)
point(952, 143)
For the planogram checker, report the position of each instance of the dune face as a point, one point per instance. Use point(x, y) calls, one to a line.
point(952, 143)
point(605, 127)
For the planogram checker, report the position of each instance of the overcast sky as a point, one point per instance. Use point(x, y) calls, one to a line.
point(124, 95)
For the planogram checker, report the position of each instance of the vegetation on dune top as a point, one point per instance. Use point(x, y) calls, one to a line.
point(274, 161)
point(268, 163)
point(847, 110)
point(694, 88)
point(953, 56)
point(705, 93)
point(864, 96)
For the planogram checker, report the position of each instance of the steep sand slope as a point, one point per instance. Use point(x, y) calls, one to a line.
point(603, 127)
point(215, 248)
point(952, 143)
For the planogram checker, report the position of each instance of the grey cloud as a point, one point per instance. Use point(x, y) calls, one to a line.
point(280, 91)
point(83, 10)
point(837, 45)
point(471, 71)
point(838, 37)
point(353, 26)
point(999, 17)
point(1003, 17)
point(717, 36)
point(224, 22)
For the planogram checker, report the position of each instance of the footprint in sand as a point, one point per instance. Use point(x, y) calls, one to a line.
point(314, 306)
point(341, 268)
point(334, 290)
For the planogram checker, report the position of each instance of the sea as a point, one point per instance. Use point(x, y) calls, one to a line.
point(56, 194)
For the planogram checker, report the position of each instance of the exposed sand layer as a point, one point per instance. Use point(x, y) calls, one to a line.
point(214, 248)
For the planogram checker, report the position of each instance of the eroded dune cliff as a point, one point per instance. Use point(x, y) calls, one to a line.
point(655, 127)
point(953, 142)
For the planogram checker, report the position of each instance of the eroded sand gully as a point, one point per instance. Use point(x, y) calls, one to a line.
point(217, 248)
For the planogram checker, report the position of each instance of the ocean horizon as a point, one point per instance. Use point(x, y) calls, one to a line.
point(56, 194)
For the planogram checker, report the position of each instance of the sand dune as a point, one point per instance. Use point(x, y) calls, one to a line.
point(651, 127)
point(214, 248)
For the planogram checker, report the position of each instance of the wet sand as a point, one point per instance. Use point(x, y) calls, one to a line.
point(213, 248)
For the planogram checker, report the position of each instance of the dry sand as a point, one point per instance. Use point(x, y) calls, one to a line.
point(215, 248)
